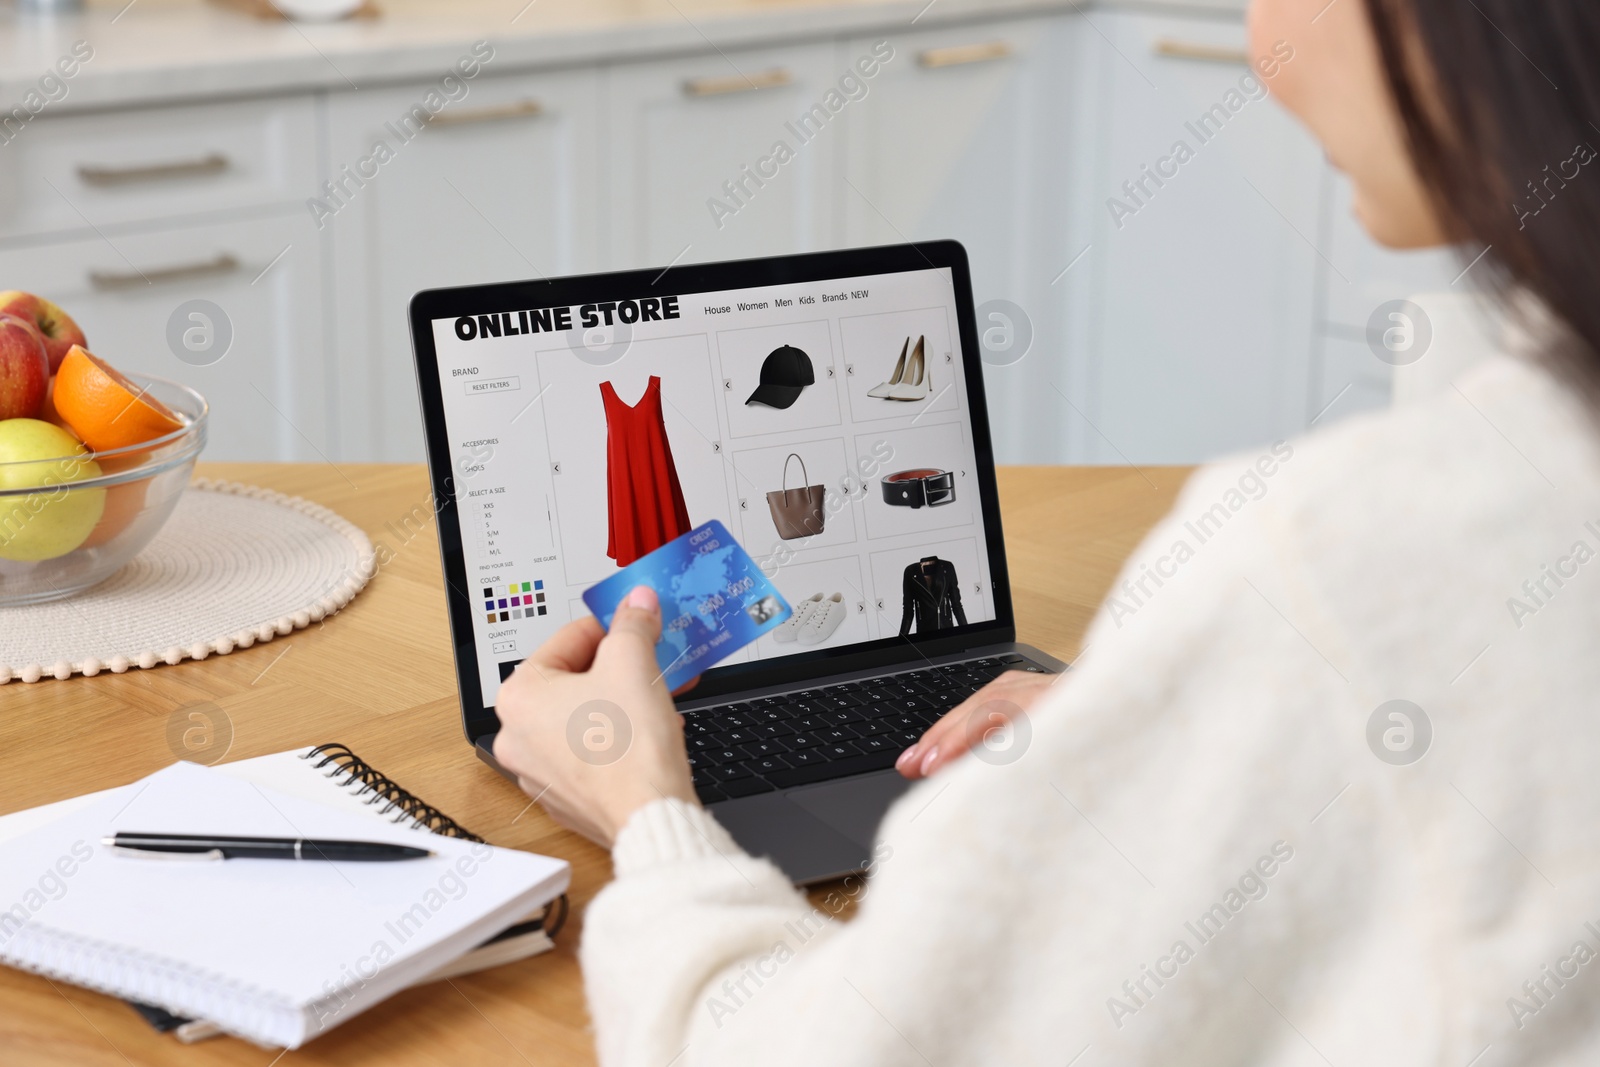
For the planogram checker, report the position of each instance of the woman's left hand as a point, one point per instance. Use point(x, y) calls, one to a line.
point(1006, 698)
point(588, 726)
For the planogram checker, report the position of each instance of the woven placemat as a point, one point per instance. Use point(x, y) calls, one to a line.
point(234, 564)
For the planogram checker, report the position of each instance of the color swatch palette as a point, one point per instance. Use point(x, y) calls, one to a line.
point(516, 600)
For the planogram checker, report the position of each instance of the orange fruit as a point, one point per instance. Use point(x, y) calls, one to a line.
point(124, 503)
point(105, 409)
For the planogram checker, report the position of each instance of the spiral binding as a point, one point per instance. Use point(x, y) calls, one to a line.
point(357, 772)
point(383, 790)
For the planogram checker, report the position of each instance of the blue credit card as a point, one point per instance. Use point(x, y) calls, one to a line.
point(714, 599)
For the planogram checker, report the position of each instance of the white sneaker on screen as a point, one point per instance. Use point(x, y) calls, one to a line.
point(789, 628)
point(822, 620)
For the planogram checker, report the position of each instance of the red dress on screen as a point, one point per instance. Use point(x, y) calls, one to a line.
point(644, 501)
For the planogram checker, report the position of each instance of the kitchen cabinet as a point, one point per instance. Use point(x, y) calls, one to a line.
point(1204, 255)
point(77, 172)
point(1359, 277)
point(270, 393)
point(504, 184)
point(968, 132)
point(1175, 310)
point(123, 216)
point(687, 134)
point(1348, 378)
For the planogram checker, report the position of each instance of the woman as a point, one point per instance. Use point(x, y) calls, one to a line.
point(1226, 844)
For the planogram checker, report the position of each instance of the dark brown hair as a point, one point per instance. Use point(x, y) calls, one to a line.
point(1498, 99)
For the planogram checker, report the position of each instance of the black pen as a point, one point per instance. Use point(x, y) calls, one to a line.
point(212, 847)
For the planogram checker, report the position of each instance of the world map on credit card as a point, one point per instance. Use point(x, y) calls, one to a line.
point(715, 600)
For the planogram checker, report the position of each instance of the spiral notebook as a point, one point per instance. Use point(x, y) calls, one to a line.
point(274, 952)
point(382, 798)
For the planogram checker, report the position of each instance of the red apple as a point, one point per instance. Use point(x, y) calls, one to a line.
point(24, 369)
point(56, 326)
point(47, 410)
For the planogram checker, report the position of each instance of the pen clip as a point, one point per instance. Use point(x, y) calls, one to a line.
point(154, 854)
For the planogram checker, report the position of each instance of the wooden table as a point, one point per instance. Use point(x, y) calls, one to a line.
point(379, 678)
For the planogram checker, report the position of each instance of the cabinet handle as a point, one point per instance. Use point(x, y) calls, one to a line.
point(519, 109)
point(1204, 53)
point(222, 264)
point(761, 79)
point(214, 163)
point(964, 53)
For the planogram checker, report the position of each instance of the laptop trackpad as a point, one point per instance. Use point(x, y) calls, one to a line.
point(854, 806)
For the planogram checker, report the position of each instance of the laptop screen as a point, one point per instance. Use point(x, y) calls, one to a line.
point(825, 423)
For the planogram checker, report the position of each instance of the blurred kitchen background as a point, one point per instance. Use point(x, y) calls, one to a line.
point(189, 160)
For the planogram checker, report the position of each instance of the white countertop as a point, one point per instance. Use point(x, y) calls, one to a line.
point(151, 51)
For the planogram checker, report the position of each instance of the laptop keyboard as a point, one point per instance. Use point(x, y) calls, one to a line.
point(817, 735)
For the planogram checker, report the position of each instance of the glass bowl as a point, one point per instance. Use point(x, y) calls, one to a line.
point(44, 553)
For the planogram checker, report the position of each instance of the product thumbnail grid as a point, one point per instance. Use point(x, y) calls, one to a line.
point(825, 424)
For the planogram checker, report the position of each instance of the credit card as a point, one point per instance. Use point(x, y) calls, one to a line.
point(714, 599)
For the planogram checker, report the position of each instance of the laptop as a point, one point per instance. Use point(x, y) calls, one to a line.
point(828, 409)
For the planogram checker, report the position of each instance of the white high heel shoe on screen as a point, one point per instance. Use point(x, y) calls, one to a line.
point(822, 620)
point(881, 390)
point(914, 383)
point(789, 628)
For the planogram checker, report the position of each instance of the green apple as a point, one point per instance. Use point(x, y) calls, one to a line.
point(56, 519)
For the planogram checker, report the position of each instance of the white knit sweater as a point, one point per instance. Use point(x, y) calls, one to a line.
point(1200, 859)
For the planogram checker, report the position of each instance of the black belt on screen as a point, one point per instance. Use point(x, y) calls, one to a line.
point(922, 487)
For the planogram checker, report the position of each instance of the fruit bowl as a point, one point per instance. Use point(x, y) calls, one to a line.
point(46, 504)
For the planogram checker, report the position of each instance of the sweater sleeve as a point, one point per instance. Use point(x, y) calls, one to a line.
point(1166, 855)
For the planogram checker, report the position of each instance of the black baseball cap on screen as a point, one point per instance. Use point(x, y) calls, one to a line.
point(785, 372)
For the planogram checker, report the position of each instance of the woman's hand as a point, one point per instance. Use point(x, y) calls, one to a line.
point(990, 708)
point(588, 727)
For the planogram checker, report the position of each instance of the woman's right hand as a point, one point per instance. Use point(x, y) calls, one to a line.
point(990, 708)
